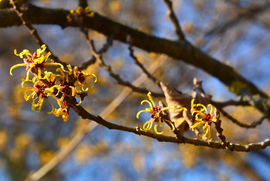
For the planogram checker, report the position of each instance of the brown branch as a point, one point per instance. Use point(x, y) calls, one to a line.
point(83, 3)
point(108, 68)
point(173, 17)
point(249, 13)
point(219, 129)
point(225, 144)
point(133, 56)
point(125, 83)
point(179, 50)
point(230, 103)
point(251, 125)
point(101, 51)
point(162, 138)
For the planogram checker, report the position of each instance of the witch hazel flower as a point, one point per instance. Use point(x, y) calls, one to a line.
point(158, 115)
point(35, 62)
point(204, 117)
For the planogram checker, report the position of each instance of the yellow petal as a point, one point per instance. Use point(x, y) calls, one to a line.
point(197, 125)
point(156, 131)
point(95, 77)
point(147, 102)
point(151, 99)
point(15, 66)
point(137, 115)
point(147, 125)
point(172, 125)
point(203, 107)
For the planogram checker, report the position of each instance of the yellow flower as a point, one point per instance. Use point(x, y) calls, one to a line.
point(40, 91)
point(80, 78)
point(80, 12)
point(87, 11)
point(68, 90)
point(70, 80)
point(203, 118)
point(50, 77)
point(158, 116)
point(63, 110)
point(35, 62)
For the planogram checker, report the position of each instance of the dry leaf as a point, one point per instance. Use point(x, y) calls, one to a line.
point(176, 98)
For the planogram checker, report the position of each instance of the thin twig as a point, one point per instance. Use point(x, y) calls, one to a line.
point(32, 30)
point(172, 15)
point(125, 83)
point(110, 71)
point(251, 125)
point(251, 12)
point(101, 51)
point(230, 103)
point(133, 56)
point(83, 3)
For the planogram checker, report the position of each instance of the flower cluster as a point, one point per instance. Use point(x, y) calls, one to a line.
point(201, 116)
point(80, 12)
point(158, 115)
point(48, 85)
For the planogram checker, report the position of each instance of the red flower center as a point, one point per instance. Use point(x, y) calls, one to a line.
point(156, 111)
point(40, 88)
point(207, 118)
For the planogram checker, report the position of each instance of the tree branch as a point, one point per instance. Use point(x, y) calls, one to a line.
point(173, 17)
point(162, 138)
point(178, 50)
